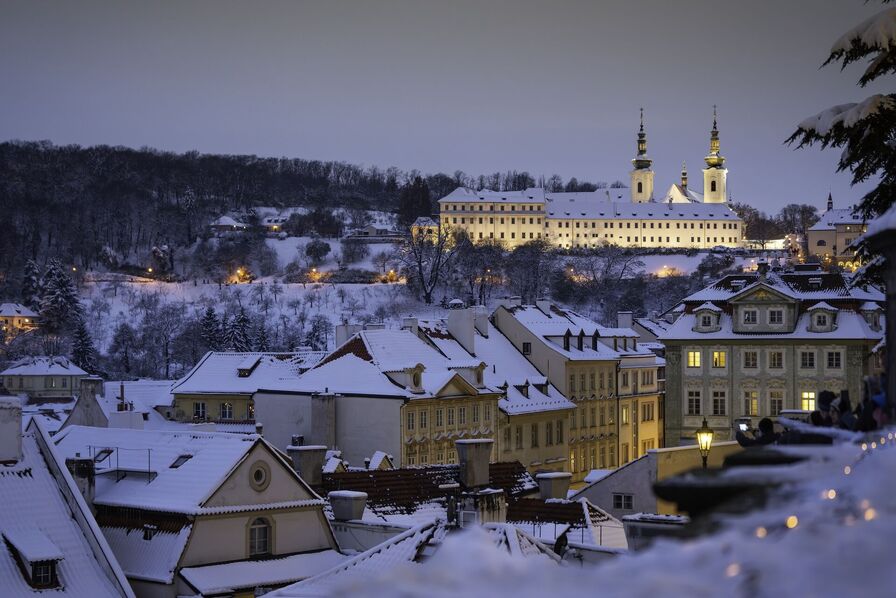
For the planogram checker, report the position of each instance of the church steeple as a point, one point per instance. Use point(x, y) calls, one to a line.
point(641, 161)
point(830, 202)
point(715, 175)
point(684, 178)
point(642, 175)
point(714, 159)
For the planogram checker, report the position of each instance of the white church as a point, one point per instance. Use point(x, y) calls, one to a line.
point(633, 217)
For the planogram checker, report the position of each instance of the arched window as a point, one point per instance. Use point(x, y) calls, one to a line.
point(821, 243)
point(640, 187)
point(712, 186)
point(260, 537)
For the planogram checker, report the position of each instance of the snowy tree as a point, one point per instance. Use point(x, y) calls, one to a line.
point(317, 250)
point(319, 333)
point(122, 350)
point(237, 333)
point(59, 305)
point(261, 338)
point(31, 285)
point(210, 328)
point(863, 130)
point(83, 350)
point(427, 258)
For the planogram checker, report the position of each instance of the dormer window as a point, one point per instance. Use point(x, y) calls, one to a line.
point(416, 378)
point(750, 316)
point(776, 316)
point(36, 555)
point(43, 575)
point(821, 320)
point(706, 320)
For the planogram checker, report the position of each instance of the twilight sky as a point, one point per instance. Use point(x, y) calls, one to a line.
point(479, 86)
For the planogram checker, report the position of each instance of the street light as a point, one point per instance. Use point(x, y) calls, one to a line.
point(704, 440)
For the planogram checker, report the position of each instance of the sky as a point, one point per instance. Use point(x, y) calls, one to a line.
point(547, 87)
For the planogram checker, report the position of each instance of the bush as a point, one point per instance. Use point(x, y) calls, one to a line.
point(317, 250)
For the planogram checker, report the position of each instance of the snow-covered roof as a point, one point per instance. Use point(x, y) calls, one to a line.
point(230, 578)
point(582, 521)
point(803, 286)
point(602, 204)
point(43, 366)
point(228, 221)
point(52, 412)
point(708, 306)
point(148, 456)
point(44, 517)
point(231, 372)
point(870, 306)
point(824, 305)
point(148, 559)
point(830, 219)
point(850, 326)
point(16, 310)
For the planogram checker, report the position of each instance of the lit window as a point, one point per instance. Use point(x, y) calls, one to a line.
point(807, 401)
point(751, 403)
point(718, 359)
point(693, 359)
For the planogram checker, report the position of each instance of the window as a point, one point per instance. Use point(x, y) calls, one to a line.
point(693, 402)
point(640, 187)
point(603, 416)
point(751, 403)
point(527, 348)
point(807, 359)
point(519, 437)
point(706, 320)
point(719, 403)
point(712, 186)
point(593, 413)
point(572, 383)
point(603, 457)
point(775, 402)
point(647, 445)
point(226, 410)
point(488, 412)
point(199, 410)
point(821, 320)
point(440, 419)
point(750, 316)
point(411, 418)
point(776, 316)
point(591, 381)
point(612, 455)
point(506, 439)
point(533, 435)
point(751, 359)
point(549, 434)
point(718, 359)
point(180, 461)
point(834, 360)
point(423, 418)
point(647, 412)
point(260, 537)
point(43, 574)
point(584, 417)
point(625, 379)
point(624, 455)
point(776, 360)
point(646, 377)
point(559, 431)
point(807, 400)
point(693, 359)
point(582, 382)
point(572, 460)
point(250, 410)
point(623, 417)
point(451, 416)
point(461, 416)
point(475, 414)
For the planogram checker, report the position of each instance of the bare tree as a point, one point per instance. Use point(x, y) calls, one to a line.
point(427, 255)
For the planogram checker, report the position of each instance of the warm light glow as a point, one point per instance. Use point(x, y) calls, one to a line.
point(865, 504)
point(847, 470)
point(864, 446)
point(74, 269)
point(831, 494)
point(149, 270)
point(792, 522)
point(761, 532)
point(732, 570)
point(874, 445)
point(870, 514)
point(704, 438)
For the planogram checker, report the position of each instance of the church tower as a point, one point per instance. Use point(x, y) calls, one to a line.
point(830, 202)
point(642, 175)
point(715, 175)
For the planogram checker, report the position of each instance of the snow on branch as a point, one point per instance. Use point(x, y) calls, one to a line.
point(846, 115)
point(876, 35)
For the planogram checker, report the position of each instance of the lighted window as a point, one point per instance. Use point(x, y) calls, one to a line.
point(623, 415)
point(751, 403)
point(719, 359)
point(693, 359)
point(807, 400)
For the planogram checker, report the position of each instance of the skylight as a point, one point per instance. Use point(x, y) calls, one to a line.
point(180, 461)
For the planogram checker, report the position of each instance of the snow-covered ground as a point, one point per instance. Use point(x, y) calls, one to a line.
point(287, 250)
point(828, 533)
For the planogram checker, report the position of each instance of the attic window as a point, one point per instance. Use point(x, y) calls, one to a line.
point(36, 556)
point(180, 461)
point(815, 283)
point(102, 455)
point(149, 530)
point(737, 284)
point(247, 366)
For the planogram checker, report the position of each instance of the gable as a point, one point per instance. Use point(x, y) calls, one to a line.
point(456, 386)
point(761, 293)
point(282, 485)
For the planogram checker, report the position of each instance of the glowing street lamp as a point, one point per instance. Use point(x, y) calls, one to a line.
point(149, 270)
point(704, 440)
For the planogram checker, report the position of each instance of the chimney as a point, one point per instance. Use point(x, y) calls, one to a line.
point(345, 332)
point(762, 268)
point(553, 484)
point(259, 428)
point(308, 462)
point(624, 319)
point(347, 505)
point(480, 320)
point(460, 325)
point(474, 454)
point(10, 430)
point(122, 404)
point(323, 419)
point(84, 472)
point(544, 305)
point(410, 324)
point(132, 420)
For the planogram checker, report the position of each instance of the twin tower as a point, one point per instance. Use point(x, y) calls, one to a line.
point(715, 175)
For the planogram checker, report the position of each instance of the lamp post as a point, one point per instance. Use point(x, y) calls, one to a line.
point(704, 440)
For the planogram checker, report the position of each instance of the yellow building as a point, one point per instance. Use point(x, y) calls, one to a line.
point(43, 377)
point(16, 318)
point(633, 217)
point(830, 238)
